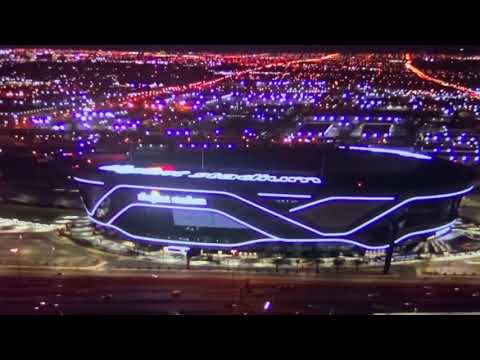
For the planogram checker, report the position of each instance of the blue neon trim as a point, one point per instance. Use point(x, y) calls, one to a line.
point(86, 181)
point(126, 208)
point(109, 192)
point(91, 212)
point(351, 198)
point(294, 196)
point(389, 151)
point(258, 241)
point(420, 232)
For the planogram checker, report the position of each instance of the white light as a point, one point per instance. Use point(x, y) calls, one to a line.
point(130, 169)
point(155, 197)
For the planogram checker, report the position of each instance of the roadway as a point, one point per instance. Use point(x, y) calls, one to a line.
point(96, 282)
point(204, 294)
point(424, 76)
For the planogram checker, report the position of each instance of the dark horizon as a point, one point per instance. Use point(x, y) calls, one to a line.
point(243, 48)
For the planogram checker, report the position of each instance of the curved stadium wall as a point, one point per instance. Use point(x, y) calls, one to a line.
point(362, 199)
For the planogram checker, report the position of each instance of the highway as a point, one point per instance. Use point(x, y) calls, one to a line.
point(204, 294)
point(50, 274)
point(209, 83)
point(421, 74)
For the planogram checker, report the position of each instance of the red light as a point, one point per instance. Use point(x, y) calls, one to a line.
point(164, 167)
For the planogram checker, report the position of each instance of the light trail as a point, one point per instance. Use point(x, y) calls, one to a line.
point(129, 100)
point(205, 84)
point(422, 75)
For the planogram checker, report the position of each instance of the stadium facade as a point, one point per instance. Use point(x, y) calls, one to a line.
point(364, 198)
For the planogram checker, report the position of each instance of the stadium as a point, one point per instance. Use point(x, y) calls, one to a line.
point(350, 197)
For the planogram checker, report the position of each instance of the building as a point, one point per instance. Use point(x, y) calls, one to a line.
point(356, 197)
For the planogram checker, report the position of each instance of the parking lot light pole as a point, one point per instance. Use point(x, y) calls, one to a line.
point(388, 258)
point(187, 255)
point(389, 255)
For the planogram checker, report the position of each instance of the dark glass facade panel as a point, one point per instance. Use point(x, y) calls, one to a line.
point(339, 215)
point(184, 226)
point(429, 212)
point(202, 226)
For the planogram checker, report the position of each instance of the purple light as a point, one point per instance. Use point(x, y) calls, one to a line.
point(296, 196)
point(126, 208)
point(257, 241)
point(350, 198)
point(389, 151)
point(287, 219)
point(415, 198)
point(86, 181)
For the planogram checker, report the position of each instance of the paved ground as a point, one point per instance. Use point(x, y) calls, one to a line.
point(44, 249)
point(95, 282)
point(35, 213)
point(122, 293)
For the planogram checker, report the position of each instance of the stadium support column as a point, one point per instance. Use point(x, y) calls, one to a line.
point(393, 236)
point(131, 149)
point(187, 258)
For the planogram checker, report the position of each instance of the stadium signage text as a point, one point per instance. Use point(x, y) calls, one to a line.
point(155, 197)
point(130, 169)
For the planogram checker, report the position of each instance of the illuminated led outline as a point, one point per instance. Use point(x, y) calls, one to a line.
point(132, 170)
point(126, 208)
point(331, 198)
point(295, 196)
point(389, 151)
point(429, 197)
point(108, 193)
point(257, 241)
point(86, 181)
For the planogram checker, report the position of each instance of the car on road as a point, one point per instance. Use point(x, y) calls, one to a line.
point(176, 293)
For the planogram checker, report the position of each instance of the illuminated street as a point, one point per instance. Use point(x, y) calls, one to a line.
point(49, 293)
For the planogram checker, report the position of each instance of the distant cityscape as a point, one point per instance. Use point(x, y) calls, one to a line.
point(259, 161)
point(64, 103)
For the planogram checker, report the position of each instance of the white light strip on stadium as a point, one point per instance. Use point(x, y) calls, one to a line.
point(294, 196)
point(86, 181)
point(126, 208)
point(269, 240)
point(441, 232)
point(109, 192)
point(388, 151)
point(167, 199)
point(421, 232)
point(130, 170)
point(415, 198)
point(350, 198)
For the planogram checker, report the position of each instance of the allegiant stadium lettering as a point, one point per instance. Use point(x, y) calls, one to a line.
point(130, 169)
